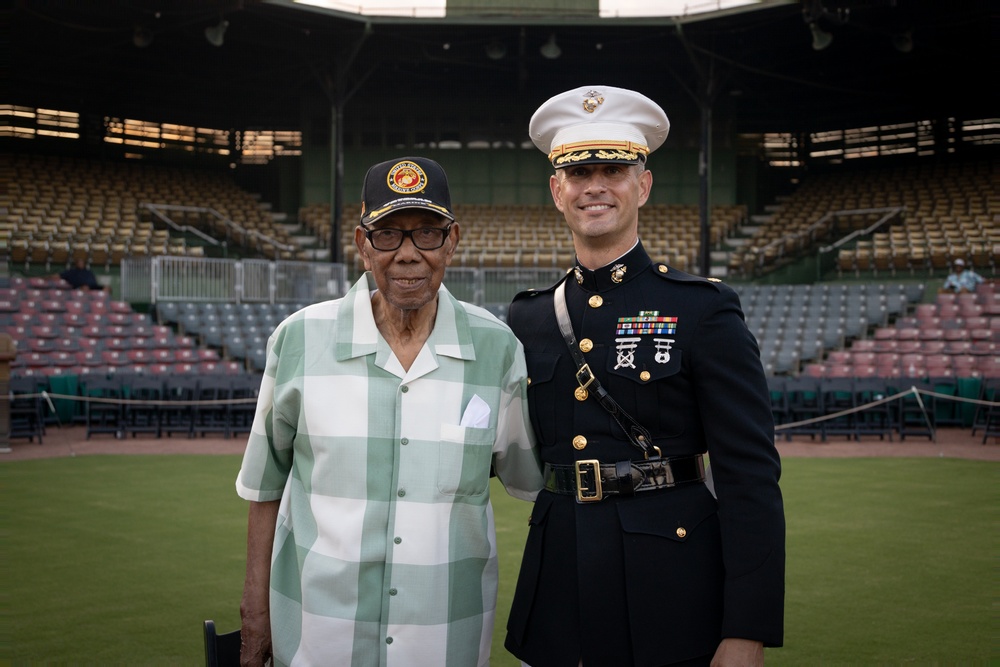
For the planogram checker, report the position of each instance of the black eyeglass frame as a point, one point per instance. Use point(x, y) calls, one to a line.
point(446, 230)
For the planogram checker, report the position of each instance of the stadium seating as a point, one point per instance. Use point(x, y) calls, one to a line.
point(62, 208)
point(936, 341)
point(949, 213)
point(535, 236)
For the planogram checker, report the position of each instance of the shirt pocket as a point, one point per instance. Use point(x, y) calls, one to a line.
point(464, 457)
point(648, 383)
point(545, 410)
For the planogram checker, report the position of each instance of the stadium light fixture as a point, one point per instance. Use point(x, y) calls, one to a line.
point(215, 34)
point(550, 49)
point(142, 36)
point(903, 41)
point(821, 38)
point(816, 16)
point(496, 50)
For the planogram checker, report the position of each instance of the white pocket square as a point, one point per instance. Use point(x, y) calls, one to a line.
point(477, 413)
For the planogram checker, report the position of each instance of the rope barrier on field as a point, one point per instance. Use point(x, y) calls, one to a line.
point(125, 401)
point(912, 390)
point(49, 397)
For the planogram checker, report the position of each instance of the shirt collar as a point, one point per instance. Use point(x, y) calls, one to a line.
point(356, 334)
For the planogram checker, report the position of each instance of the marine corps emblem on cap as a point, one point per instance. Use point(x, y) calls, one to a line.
point(593, 100)
point(410, 182)
point(406, 178)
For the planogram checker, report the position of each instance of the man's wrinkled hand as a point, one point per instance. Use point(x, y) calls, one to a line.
point(255, 644)
point(733, 652)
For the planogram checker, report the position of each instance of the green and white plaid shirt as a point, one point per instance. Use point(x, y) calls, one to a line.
point(385, 551)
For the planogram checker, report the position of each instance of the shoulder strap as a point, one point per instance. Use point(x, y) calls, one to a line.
point(637, 434)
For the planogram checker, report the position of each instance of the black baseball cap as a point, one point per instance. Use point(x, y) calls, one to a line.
point(407, 182)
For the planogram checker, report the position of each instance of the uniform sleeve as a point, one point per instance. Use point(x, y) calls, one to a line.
point(267, 459)
point(735, 409)
point(515, 454)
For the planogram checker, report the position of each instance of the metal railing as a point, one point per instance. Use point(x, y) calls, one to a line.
point(204, 279)
point(798, 243)
point(207, 279)
point(825, 257)
point(231, 229)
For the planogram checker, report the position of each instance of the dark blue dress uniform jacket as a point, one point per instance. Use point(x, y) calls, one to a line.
point(663, 575)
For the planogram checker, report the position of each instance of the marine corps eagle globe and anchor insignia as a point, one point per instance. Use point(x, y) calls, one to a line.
point(406, 178)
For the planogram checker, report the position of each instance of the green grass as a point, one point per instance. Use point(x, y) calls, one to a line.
point(117, 560)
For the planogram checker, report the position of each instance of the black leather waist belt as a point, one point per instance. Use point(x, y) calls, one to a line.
point(591, 480)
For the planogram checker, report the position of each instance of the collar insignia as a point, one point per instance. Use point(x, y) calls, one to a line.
point(618, 273)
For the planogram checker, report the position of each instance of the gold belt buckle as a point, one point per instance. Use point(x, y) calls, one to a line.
point(586, 373)
point(588, 491)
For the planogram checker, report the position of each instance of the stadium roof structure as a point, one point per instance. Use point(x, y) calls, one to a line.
point(251, 63)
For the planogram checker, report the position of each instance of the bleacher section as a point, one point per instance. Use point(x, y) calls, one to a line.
point(61, 208)
point(238, 331)
point(951, 210)
point(125, 374)
point(958, 335)
point(537, 237)
point(799, 324)
point(801, 329)
point(80, 332)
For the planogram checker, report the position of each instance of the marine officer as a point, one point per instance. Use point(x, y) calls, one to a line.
point(640, 376)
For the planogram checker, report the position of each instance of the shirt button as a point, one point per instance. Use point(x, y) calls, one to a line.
point(392, 591)
point(596, 301)
point(586, 345)
point(579, 442)
point(388, 640)
point(401, 493)
point(397, 540)
point(404, 441)
point(405, 389)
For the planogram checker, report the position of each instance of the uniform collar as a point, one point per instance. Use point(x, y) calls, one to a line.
point(618, 272)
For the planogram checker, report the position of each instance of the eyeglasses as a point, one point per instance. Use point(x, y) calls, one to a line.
point(424, 238)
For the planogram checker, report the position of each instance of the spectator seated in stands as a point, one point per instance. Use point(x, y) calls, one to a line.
point(80, 277)
point(961, 278)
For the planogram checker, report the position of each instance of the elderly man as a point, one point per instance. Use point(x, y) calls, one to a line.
point(638, 371)
point(370, 536)
point(961, 279)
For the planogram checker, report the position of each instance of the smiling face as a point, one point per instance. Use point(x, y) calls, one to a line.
point(601, 203)
point(408, 278)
